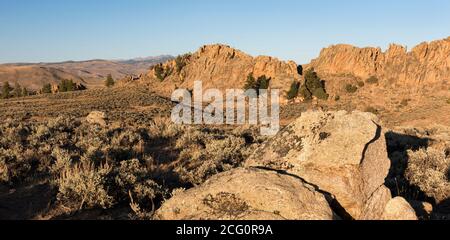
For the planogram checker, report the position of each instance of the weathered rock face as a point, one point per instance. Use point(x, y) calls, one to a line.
point(425, 65)
point(221, 67)
point(248, 194)
point(341, 153)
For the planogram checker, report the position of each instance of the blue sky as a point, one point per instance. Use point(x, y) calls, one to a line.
point(57, 30)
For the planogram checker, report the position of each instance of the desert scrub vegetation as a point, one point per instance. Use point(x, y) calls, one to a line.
point(372, 80)
point(372, 110)
point(121, 165)
point(134, 105)
point(349, 88)
point(429, 169)
point(420, 166)
point(206, 152)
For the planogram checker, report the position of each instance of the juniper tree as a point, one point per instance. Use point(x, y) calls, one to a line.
point(47, 88)
point(17, 90)
point(6, 90)
point(293, 91)
point(109, 82)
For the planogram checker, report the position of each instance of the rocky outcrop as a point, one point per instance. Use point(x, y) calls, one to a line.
point(221, 67)
point(248, 194)
point(341, 153)
point(426, 65)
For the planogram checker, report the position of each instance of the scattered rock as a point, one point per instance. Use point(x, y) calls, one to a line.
point(399, 209)
point(341, 153)
point(97, 117)
point(248, 194)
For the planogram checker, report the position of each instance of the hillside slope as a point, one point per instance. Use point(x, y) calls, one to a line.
point(91, 73)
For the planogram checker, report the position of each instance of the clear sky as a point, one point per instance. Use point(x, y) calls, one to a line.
point(58, 30)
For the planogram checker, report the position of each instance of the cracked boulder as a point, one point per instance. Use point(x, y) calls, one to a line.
point(340, 153)
point(248, 194)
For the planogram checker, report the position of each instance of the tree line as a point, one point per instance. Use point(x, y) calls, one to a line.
point(8, 91)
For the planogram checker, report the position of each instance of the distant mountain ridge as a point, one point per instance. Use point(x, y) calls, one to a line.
point(91, 73)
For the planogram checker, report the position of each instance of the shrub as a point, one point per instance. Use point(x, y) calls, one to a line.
point(404, 102)
point(429, 169)
point(6, 90)
point(259, 84)
point(372, 80)
point(85, 185)
point(66, 86)
point(448, 101)
point(372, 110)
point(162, 73)
point(361, 84)
point(205, 154)
point(133, 181)
point(47, 88)
point(181, 61)
point(25, 92)
point(337, 98)
point(17, 90)
point(320, 94)
point(351, 88)
point(250, 83)
point(109, 82)
point(293, 90)
point(314, 86)
point(305, 93)
point(263, 82)
point(63, 160)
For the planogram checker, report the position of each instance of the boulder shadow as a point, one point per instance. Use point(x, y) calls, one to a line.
point(26, 202)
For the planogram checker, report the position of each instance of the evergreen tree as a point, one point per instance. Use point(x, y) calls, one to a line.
point(305, 93)
point(70, 85)
point(293, 91)
point(6, 90)
point(314, 85)
point(250, 83)
point(17, 90)
point(25, 92)
point(109, 82)
point(263, 82)
point(47, 88)
point(159, 72)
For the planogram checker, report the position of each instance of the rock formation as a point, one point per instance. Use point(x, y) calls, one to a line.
point(248, 194)
point(343, 154)
point(221, 67)
point(426, 65)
